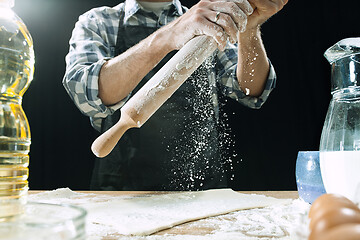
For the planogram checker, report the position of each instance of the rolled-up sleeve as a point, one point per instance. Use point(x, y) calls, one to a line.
point(89, 49)
point(228, 82)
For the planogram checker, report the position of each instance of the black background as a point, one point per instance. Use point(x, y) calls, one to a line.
point(266, 140)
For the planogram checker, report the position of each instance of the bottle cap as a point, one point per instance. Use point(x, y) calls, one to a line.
point(7, 3)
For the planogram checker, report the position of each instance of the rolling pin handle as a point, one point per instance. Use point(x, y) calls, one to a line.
point(106, 142)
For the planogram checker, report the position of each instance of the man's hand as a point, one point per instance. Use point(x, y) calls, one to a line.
point(263, 10)
point(221, 20)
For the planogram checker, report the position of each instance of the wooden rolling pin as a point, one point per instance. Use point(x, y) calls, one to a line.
point(141, 106)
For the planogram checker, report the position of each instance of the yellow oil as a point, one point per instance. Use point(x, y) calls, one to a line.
point(16, 73)
point(14, 159)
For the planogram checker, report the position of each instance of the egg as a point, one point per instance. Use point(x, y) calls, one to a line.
point(349, 231)
point(333, 218)
point(329, 200)
point(324, 210)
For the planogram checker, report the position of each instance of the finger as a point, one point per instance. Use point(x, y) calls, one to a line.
point(227, 24)
point(206, 27)
point(269, 7)
point(234, 11)
point(283, 2)
point(244, 5)
point(280, 3)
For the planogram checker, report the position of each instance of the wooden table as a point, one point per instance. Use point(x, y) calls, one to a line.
point(275, 194)
point(201, 227)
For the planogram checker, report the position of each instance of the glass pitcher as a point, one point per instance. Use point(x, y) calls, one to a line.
point(340, 138)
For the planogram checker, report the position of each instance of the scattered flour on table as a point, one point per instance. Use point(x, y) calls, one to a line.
point(277, 222)
point(285, 221)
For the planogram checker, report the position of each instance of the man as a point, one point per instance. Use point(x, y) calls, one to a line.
point(114, 51)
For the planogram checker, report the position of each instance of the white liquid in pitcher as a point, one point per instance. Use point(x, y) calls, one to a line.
point(340, 171)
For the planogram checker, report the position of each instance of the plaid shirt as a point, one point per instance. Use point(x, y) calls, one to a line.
point(93, 42)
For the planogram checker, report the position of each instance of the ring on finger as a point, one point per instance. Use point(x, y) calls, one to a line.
point(217, 17)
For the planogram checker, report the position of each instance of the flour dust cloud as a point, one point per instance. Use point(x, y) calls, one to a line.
point(202, 152)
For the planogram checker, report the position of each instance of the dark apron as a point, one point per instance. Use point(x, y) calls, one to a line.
point(176, 149)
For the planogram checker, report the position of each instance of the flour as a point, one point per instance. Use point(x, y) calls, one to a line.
point(239, 14)
point(276, 222)
point(285, 220)
point(250, 61)
point(191, 160)
point(170, 77)
point(61, 195)
point(150, 93)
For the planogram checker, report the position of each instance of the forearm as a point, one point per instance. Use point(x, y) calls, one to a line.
point(253, 65)
point(121, 74)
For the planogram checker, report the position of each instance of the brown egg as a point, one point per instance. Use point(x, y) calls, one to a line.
point(328, 207)
point(326, 202)
point(326, 199)
point(349, 231)
point(333, 218)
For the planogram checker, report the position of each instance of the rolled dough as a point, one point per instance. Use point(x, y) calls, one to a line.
point(145, 215)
